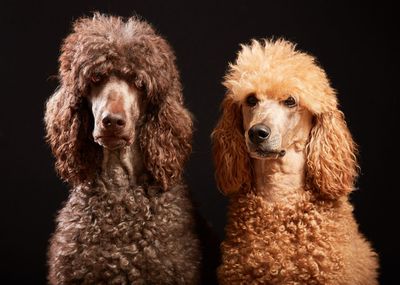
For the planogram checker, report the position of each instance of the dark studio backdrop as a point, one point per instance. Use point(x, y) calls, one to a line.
point(353, 42)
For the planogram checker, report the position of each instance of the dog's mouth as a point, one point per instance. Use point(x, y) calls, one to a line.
point(260, 153)
point(270, 148)
point(113, 142)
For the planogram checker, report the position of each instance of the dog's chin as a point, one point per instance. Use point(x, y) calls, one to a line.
point(113, 143)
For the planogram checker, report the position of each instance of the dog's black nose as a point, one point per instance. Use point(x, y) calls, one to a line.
point(113, 121)
point(259, 133)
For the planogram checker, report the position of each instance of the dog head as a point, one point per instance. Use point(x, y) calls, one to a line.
point(277, 98)
point(118, 83)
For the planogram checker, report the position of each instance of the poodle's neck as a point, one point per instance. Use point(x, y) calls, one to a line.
point(281, 180)
point(122, 167)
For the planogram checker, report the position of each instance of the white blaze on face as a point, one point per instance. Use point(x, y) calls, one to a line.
point(114, 98)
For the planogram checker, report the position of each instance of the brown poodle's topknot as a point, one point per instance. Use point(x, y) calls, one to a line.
point(101, 45)
point(98, 47)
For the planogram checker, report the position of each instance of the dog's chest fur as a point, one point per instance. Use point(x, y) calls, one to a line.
point(277, 244)
point(107, 234)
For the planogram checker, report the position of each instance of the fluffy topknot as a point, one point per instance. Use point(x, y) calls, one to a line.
point(276, 69)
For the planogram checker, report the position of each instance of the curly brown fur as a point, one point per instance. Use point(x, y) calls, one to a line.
point(289, 219)
point(99, 47)
point(128, 219)
point(130, 236)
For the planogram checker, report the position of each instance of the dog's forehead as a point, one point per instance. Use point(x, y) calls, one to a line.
point(114, 85)
point(266, 88)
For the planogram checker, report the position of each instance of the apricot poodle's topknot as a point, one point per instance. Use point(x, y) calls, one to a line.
point(263, 62)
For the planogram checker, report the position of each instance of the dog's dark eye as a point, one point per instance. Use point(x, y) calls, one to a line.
point(96, 78)
point(251, 100)
point(290, 102)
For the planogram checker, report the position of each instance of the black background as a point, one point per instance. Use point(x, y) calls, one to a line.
point(353, 42)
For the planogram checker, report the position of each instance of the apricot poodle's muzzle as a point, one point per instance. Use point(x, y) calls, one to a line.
point(262, 144)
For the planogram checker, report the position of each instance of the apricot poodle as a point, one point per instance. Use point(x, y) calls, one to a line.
point(285, 157)
point(120, 134)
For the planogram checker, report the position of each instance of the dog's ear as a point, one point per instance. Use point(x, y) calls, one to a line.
point(331, 156)
point(165, 140)
point(232, 161)
point(68, 123)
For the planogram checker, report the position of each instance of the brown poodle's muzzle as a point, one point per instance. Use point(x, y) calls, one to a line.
point(262, 144)
point(115, 106)
point(111, 131)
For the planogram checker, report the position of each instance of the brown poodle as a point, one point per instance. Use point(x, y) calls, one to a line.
point(286, 158)
point(120, 134)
